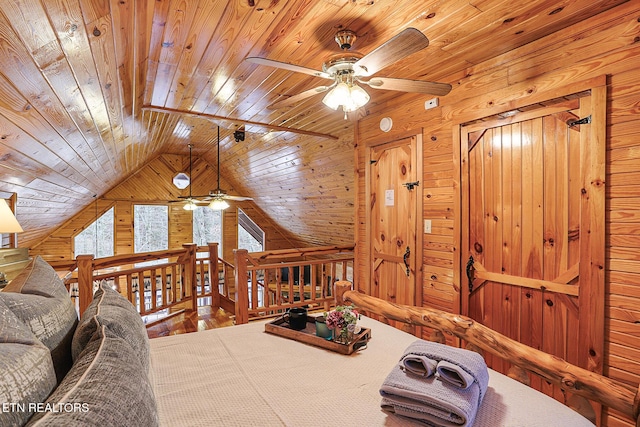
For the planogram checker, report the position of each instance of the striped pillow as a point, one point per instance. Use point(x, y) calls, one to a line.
point(107, 386)
point(38, 297)
point(27, 370)
point(112, 309)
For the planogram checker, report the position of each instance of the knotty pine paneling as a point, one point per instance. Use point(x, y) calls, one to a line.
point(84, 98)
point(153, 185)
point(543, 65)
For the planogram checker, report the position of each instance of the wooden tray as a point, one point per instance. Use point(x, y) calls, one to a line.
point(308, 336)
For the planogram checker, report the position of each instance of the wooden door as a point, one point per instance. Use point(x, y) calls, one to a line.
point(394, 194)
point(528, 234)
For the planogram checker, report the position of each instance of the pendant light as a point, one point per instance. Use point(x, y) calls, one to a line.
point(190, 205)
point(218, 203)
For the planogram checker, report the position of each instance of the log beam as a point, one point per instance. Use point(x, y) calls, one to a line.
point(579, 381)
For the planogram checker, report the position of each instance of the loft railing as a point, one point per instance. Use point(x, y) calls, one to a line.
point(257, 285)
point(153, 281)
point(268, 283)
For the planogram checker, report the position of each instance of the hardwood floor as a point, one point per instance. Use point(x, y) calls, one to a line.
point(205, 318)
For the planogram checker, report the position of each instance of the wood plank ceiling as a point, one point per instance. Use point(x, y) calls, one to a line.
point(91, 90)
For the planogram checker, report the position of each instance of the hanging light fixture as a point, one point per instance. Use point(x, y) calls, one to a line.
point(190, 205)
point(218, 203)
point(346, 93)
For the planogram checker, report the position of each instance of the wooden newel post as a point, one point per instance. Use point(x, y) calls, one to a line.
point(190, 274)
point(240, 259)
point(214, 274)
point(341, 286)
point(85, 281)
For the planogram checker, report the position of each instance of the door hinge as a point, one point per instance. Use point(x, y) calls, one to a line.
point(582, 121)
point(411, 185)
point(373, 162)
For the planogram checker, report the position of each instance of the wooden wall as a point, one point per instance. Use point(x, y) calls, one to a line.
point(608, 44)
point(153, 184)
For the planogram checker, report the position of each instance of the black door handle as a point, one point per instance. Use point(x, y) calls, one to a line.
point(405, 258)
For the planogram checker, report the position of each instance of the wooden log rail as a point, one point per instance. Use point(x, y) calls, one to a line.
point(578, 381)
point(268, 283)
point(176, 280)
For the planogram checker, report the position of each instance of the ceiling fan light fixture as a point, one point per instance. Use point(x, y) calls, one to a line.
point(218, 205)
point(190, 205)
point(348, 95)
point(336, 96)
point(358, 97)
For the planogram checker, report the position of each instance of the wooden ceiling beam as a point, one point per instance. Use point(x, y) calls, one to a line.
point(246, 122)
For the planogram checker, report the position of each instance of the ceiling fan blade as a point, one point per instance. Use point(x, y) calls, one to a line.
point(404, 44)
point(299, 97)
point(406, 85)
point(289, 67)
point(236, 198)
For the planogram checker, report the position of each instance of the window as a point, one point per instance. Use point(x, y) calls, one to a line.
point(207, 226)
point(97, 238)
point(250, 236)
point(150, 228)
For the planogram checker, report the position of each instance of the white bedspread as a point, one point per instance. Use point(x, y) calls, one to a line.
point(242, 376)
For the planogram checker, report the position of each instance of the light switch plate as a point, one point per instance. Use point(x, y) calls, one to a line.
point(427, 226)
point(432, 103)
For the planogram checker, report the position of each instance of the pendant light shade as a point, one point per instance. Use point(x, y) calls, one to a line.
point(218, 205)
point(348, 95)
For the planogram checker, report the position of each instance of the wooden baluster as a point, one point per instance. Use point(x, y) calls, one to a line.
point(301, 282)
point(240, 257)
point(214, 274)
point(190, 274)
point(154, 295)
point(85, 281)
point(163, 286)
point(313, 270)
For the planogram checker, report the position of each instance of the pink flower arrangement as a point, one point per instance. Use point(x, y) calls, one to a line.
point(341, 317)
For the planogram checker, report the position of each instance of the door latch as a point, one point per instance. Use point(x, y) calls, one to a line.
point(405, 258)
point(411, 185)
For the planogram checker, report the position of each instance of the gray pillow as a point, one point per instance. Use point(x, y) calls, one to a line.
point(27, 371)
point(38, 297)
point(107, 386)
point(112, 309)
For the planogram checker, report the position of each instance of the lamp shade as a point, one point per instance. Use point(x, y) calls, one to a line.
point(8, 221)
point(218, 205)
point(190, 206)
point(349, 96)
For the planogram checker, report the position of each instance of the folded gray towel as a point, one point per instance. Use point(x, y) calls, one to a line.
point(454, 374)
point(468, 361)
point(433, 400)
point(418, 365)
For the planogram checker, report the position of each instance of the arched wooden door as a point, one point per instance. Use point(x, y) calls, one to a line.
point(530, 240)
point(395, 192)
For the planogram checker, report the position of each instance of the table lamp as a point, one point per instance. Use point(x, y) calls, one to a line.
point(8, 224)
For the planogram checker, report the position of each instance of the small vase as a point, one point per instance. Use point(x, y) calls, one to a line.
point(321, 328)
point(342, 336)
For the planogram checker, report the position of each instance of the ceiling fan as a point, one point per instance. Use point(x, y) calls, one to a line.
point(348, 68)
point(216, 199)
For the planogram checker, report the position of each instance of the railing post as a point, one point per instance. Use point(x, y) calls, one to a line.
point(340, 287)
point(214, 275)
point(240, 257)
point(190, 274)
point(85, 281)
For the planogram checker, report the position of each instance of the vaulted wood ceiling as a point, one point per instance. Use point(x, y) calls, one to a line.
point(91, 90)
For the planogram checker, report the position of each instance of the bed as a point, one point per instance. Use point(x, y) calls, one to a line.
point(102, 369)
point(243, 376)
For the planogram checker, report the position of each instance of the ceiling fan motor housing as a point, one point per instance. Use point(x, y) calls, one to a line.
point(345, 39)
